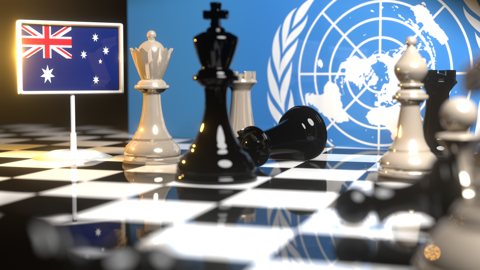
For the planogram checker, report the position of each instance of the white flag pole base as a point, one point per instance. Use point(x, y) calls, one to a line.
point(79, 157)
point(73, 156)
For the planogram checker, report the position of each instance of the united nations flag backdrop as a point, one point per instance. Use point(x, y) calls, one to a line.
point(335, 56)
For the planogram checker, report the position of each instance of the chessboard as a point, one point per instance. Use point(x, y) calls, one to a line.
point(285, 219)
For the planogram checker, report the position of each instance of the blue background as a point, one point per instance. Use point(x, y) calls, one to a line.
point(254, 23)
point(176, 23)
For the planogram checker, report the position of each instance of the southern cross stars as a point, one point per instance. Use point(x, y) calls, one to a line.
point(84, 55)
point(47, 75)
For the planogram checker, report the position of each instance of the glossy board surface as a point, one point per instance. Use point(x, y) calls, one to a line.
point(111, 213)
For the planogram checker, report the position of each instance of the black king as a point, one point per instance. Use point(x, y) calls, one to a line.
point(215, 157)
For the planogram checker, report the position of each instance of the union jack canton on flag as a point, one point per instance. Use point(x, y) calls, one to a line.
point(60, 57)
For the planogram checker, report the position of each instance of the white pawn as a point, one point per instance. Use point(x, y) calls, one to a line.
point(457, 115)
point(241, 115)
point(151, 143)
point(409, 157)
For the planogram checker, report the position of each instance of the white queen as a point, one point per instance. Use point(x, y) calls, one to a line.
point(151, 143)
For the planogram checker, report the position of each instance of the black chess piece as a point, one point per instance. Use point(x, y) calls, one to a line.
point(438, 84)
point(433, 195)
point(301, 134)
point(215, 157)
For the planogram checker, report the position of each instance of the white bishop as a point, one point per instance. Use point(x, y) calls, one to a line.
point(409, 157)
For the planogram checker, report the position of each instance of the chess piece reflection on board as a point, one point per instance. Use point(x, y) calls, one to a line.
point(409, 157)
point(215, 157)
point(435, 192)
point(301, 134)
point(152, 142)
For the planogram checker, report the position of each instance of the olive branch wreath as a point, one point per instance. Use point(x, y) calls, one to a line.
point(279, 71)
point(474, 7)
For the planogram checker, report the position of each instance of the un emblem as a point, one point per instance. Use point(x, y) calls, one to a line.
point(338, 57)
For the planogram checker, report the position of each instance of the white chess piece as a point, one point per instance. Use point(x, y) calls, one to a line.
point(152, 142)
point(409, 157)
point(241, 115)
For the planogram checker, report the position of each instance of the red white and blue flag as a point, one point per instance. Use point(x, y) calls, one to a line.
point(55, 57)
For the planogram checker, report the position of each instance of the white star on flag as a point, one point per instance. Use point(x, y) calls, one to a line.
point(95, 80)
point(105, 50)
point(95, 37)
point(47, 74)
point(100, 61)
point(83, 54)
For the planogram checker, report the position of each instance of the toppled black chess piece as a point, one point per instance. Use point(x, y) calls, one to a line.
point(215, 157)
point(438, 84)
point(301, 134)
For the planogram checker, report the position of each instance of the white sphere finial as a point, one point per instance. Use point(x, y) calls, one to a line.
point(151, 35)
point(412, 40)
point(458, 114)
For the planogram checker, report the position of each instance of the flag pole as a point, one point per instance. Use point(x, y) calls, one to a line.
point(74, 158)
point(73, 133)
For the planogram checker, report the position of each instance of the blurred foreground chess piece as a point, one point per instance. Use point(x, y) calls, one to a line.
point(450, 178)
point(241, 114)
point(455, 239)
point(28, 243)
point(472, 79)
point(301, 134)
point(409, 158)
point(151, 143)
point(215, 157)
point(438, 85)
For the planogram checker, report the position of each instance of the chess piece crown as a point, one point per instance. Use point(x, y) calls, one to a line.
point(215, 48)
point(151, 61)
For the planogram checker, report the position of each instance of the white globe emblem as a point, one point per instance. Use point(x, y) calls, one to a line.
point(347, 57)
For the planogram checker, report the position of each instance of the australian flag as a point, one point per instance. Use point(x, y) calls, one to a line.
point(67, 57)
